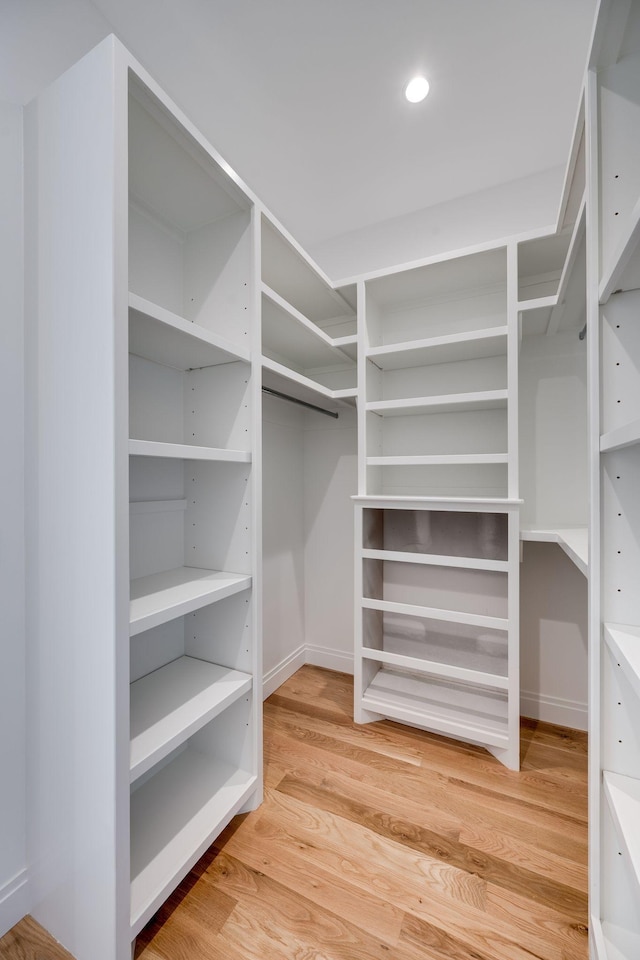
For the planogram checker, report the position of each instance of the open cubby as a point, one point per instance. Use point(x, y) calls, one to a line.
point(189, 225)
point(184, 802)
point(290, 339)
point(471, 432)
point(467, 591)
point(418, 379)
point(444, 480)
point(467, 711)
point(287, 270)
point(435, 646)
point(440, 533)
point(205, 408)
point(540, 265)
point(205, 524)
point(459, 296)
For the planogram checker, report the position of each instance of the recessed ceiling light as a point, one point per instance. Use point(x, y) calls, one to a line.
point(417, 89)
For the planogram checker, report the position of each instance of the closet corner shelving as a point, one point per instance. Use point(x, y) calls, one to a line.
point(170, 624)
point(309, 338)
point(613, 118)
point(437, 511)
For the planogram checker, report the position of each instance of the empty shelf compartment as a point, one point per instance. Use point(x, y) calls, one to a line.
point(473, 713)
point(170, 704)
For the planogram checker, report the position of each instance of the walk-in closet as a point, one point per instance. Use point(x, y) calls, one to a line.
point(326, 554)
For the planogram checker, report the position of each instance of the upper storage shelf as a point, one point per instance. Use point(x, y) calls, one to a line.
point(460, 298)
point(189, 225)
point(619, 118)
point(164, 337)
point(288, 271)
point(308, 328)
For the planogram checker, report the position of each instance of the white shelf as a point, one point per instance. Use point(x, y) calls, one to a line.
point(164, 337)
point(536, 314)
point(276, 376)
point(289, 333)
point(436, 560)
point(537, 303)
point(490, 342)
point(164, 596)
point(573, 540)
point(625, 436)
point(577, 236)
point(156, 506)
point(445, 707)
point(613, 276)
point(618, 943)
point(186, 451)
point(435, 613)
point(174, 818)
point(438, 458)
point(624, 643)
point(172, 703)
point(388, 500)
point(437, 669)
point(450, 403)
point(623, 797)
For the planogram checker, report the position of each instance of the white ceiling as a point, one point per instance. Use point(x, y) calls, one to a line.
point(304, 97)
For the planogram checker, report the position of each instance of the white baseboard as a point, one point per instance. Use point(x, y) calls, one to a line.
point(565, 713)
point(282, 671)
point(329, 658)
point(14, 901)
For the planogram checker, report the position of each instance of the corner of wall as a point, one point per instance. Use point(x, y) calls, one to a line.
point(14, 900)
point(508, 209)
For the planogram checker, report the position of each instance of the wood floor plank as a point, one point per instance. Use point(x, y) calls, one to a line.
point(186, 924)
point(29, 941)
point(416, 884)
point(526, 855)
point(476, 808)
point(481, 770)
point(281, 861)
point(273, 921)
point(456, 854)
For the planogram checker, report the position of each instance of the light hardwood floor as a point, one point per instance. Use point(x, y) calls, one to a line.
point(385, 842)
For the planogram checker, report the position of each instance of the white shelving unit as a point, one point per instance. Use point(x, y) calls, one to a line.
point(613, 118)
point(309, 341)
point(160, 641)
point(436, 593)
point(437, 514)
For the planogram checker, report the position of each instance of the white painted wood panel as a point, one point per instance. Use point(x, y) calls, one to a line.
point(76, 314)
point(174, 818)
point(446, 348)
point(445, 707)
point(172, 593)
point(162, 336)
point(172, 703)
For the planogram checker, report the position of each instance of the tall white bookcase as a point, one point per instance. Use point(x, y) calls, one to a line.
point(437, 535)
point(144, 538)
point(613, 231)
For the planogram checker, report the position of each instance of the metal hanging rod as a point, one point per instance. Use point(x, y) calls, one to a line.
point(302, 403)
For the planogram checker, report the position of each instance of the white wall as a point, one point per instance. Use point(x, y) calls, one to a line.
point(553, 637)
point(553, 485)
point(13, 889)
point(330, 480)
point(512, 208)
point(283, 541)
point(553, 431)
point(310, 475)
